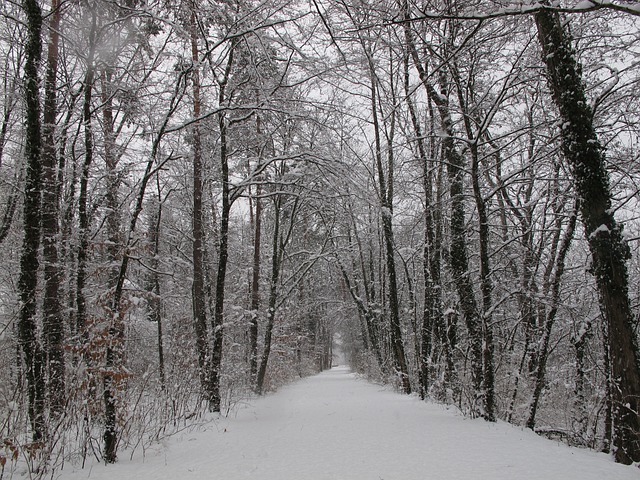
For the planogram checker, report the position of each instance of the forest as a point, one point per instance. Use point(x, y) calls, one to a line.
point(203, 201)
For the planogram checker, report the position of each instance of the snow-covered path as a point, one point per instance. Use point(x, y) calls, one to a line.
point(336, 426)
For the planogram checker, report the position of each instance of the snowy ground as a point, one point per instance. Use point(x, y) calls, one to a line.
point(336, 426)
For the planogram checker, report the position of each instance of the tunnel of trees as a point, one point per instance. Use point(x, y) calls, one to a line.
point(202, 201)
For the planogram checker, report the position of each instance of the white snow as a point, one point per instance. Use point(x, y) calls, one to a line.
point(337, 426)
point(601, 229)
point(583, 5)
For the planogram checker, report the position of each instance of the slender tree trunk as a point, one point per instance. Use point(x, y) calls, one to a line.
point(486, 285)
point(549, 321)
point(386, 204)
point(223, 251)
point(83, 200)
point(609, 252)
point(458, 250)
point(255, 289)
point(111, 163)
point(276, 258)
point(155, 303)
point(115, 344)
point(431, 316)
point(580, 416)
point(608, 392)
point(53, 322)
point(29, 264)
point(113, 371)
point(255, 267)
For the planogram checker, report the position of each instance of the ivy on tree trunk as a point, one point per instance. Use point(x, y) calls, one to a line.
point(609, 252)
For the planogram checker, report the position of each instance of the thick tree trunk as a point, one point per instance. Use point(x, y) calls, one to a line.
point(29, 264)
point(609, 251)
point(198, 286)
point(53, 322)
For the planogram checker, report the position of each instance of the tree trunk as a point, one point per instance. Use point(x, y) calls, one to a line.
point(255, 288)
point(198, 286)
point(458, 250)
point(386, 206)
point(111, 162)
point(155, 301)
point(276, 258)
point(486, 285)
point(53, 322)
point(256, 216)
point(29, 264)
point(580, 416)
point(609, 251)
point(541, 364)
point(431, 314)
point(113, 371)
point(83, 200)
point(223, 251)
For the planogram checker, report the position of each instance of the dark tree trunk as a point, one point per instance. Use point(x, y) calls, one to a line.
point(223, 250)
point(608, 392)
point(255, 288)
point(111, 164)
point(29, 264)
point(155, 302)
point(276, 260)
point(198, 287)
point(609, 252)
point(256, 217)
point(115, 345)
point(12, 201)
point(53, 322)
point(386, 204)
point(486, 285)
point(580, 417)
point(83, 200)
point(431, 314)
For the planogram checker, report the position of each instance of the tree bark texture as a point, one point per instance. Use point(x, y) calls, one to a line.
point(53, 321)
point(609, 252)
point(29, 264)
point(198, 286)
